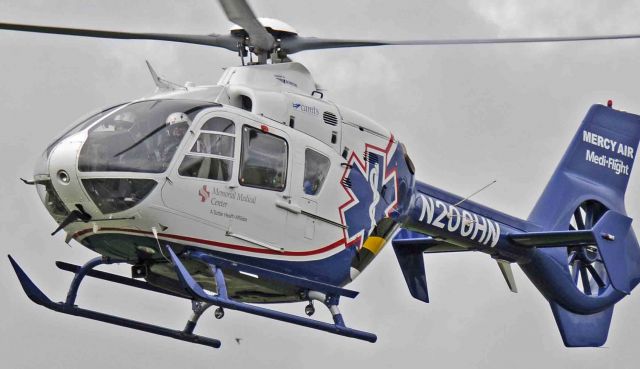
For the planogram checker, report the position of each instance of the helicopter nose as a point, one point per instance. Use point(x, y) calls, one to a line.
point(63, 174)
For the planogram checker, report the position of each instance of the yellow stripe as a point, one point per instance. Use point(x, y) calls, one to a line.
point(374, 244)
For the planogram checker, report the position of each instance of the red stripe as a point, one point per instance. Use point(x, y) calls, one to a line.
point(338, 243)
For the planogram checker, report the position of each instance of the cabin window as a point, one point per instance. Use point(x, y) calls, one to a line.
point(211, 156)
point(264, 160)
point(316, 168)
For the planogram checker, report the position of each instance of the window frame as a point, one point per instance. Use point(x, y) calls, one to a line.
point(304, 170)
point(208, 155)
point(187, 150)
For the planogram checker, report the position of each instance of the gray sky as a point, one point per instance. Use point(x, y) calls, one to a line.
point(468, 115)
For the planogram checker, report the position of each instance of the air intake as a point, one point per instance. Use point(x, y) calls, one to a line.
point(330, 118)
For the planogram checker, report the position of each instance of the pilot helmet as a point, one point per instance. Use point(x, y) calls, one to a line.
point(178, 123)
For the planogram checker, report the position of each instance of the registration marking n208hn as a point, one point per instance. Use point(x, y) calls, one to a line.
point(454, 220)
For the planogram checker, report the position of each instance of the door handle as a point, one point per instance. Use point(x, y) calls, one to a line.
point(294, 208)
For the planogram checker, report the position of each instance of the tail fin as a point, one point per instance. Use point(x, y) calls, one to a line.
point(596, 165)
point(582, 283)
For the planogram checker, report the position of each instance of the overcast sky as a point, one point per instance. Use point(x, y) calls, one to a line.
point(467, 114)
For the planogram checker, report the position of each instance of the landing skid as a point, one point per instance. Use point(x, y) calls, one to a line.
point(69, 307)
point(201, 300)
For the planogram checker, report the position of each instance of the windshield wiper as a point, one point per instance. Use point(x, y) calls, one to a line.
point(188, 112)
point(160, 128)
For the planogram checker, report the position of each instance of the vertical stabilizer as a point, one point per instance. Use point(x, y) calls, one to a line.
point(586, 192)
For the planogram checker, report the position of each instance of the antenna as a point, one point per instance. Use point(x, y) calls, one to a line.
point(475, 193)
point(161, 83)
point(450, 212)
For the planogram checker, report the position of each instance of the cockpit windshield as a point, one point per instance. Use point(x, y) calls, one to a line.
point(141, 137)
point(79, 126)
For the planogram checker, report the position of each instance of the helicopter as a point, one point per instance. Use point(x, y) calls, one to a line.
point(183, 204)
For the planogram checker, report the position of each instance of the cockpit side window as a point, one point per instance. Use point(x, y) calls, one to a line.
point(211, 156)
point(263, 163)
point(316, 168)
point(219, 124)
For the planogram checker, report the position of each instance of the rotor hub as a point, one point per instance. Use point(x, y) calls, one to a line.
point(587, 254)
point(277, 28)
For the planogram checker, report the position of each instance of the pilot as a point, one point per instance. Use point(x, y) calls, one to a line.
point(177, 126)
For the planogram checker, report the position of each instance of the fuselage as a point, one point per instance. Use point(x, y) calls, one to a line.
point(259, 169)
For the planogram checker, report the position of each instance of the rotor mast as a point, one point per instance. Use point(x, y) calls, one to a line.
point(257, 34)
point(277, 29)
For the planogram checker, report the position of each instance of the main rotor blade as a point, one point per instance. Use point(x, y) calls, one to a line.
point(239, 12)
point(298, 43)
point(223, 41)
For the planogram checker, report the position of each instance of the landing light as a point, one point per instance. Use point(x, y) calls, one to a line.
point(146, 250)
point(63, 176)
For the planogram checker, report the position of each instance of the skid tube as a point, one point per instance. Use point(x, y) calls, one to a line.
point(69, 307)
point(223, 301)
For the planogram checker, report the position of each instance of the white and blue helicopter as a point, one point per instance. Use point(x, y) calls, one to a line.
point(258, 190)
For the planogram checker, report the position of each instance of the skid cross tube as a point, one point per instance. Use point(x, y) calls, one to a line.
point(68, 307)
point(118, 279)
point(192, 287)
point(81, 273)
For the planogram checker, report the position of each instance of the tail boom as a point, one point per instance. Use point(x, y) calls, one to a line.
point(577, 246)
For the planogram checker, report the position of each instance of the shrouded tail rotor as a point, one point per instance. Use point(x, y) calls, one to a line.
point(585, 263)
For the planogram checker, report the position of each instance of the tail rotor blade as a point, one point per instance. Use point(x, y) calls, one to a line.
point(595, 275)
point(575, 271)
point(586, 286)
point(579, 218)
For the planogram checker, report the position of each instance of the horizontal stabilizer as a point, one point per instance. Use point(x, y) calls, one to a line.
point(554, 239)
point(609, 234)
